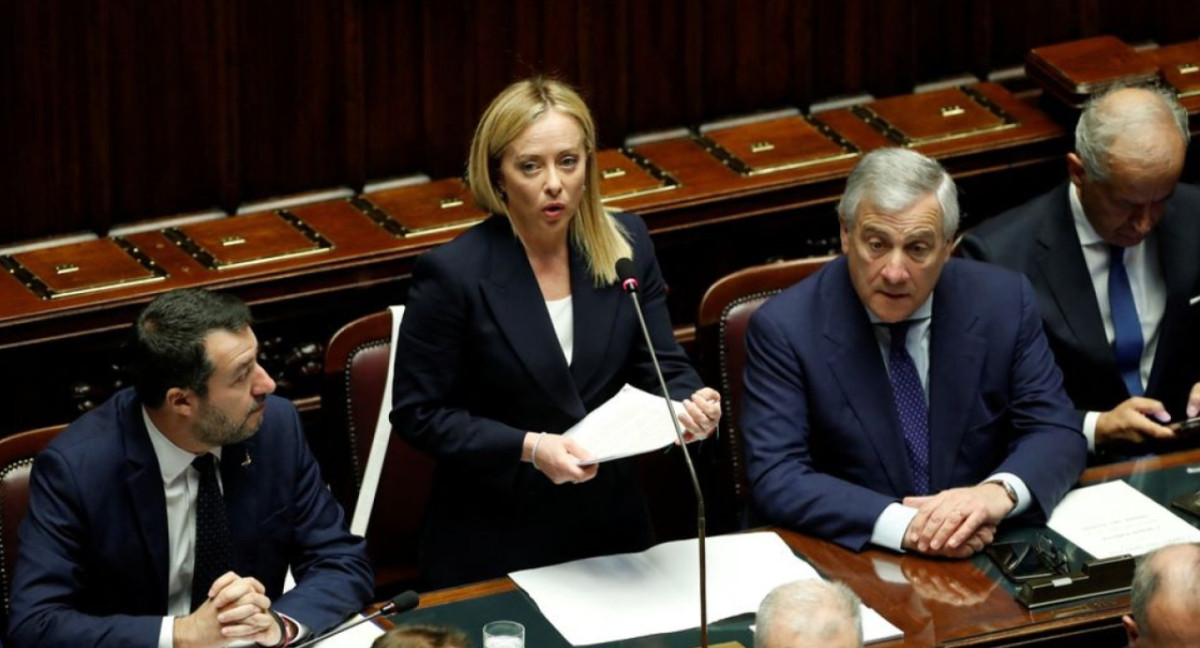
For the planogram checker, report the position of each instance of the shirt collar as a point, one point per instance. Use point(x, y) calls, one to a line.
point(1083, 226)
point(172, 460)
point(923, 312)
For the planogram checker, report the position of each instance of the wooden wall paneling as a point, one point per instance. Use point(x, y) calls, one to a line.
point(664, 53)
point(166, 120)
point(393, 59)
point(802, 56)
point(450, 102)
point(1175, 20)
point(291, 96)
point(864, 46)
point(225, 77)
point(890, 47)
point(354, 88)
point(56, 128)
point(1020, 25)
point(747, 56)
point(602, 51)
point(945, 37)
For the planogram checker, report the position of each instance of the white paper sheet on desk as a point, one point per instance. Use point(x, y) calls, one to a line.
point(1114, 519)
point(630, 423)
point(612, 598)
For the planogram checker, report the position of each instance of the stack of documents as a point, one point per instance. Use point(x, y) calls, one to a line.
point(613, 598)
point(1115, 519)
point(630, 423)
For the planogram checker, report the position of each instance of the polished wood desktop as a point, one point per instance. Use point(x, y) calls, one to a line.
point(935, 602)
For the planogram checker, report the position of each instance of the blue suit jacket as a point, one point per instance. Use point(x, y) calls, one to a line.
point(478, 364)
point(1039, 240)
point(93, 557)
point(824, 450)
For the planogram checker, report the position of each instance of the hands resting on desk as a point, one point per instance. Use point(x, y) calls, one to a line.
point(958, 522)
point(236, 608)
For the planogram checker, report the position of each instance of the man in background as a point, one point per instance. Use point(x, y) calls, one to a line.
point(1112, 256)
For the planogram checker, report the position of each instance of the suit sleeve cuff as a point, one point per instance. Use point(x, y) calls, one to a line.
point(1024, 497)
point(891, 525)
point(166, 634)
point(1089, 430)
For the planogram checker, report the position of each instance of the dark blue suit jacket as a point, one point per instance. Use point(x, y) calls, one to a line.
point(1039, 240)
point(93, 557)
point(478, 364)
point(824, 450)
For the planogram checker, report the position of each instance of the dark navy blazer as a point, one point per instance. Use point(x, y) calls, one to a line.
point(824, 450)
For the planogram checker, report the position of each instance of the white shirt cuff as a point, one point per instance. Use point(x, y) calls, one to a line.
point(1024, 497)
point(1089, 429)
point(891, 525)
point(301, 629)
point(166, 634)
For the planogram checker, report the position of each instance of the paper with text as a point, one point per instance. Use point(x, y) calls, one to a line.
point(1114, 519)
point(630, 423)
point(613, 598)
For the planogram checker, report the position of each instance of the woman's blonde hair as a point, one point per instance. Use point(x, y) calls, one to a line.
point(598, 235)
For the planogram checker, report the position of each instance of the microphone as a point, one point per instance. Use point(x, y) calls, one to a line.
point(403, 602)
point(629, 284)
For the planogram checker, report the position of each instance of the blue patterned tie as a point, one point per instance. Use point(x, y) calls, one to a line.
point(910, 405)
point(1127, 326)
point(214, 548)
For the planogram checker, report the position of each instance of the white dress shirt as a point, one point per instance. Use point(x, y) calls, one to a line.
point(563, 319)
point(1146, 282)
point(894, 520)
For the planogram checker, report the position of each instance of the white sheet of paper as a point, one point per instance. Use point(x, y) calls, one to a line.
point(630, 423)
point(1114, 519)
point(613, 598)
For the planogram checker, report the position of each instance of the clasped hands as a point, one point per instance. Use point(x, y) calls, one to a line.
point(559, 457)
point(956, 523)
point(237, 608)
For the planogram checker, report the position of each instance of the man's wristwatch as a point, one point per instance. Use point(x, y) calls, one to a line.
point(1008, 489)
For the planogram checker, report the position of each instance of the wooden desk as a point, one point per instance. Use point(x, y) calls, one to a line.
point(944, 603)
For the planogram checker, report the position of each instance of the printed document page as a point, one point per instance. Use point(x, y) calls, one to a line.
point(1114, 519)
point(630, 423)
point(613, 598)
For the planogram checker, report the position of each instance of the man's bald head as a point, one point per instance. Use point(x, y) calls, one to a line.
point(1139, 126)
point(809, 613)
point(1165, 600)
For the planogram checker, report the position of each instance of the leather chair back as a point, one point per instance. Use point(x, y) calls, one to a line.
point(356, 365)
point(16, 463)
point(721, 324)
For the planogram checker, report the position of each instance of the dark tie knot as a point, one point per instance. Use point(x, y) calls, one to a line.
point(1116, 255)
point(899, 333)
point(206, 464)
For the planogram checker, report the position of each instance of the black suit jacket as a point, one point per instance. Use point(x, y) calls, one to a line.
point(1039, 239)
point(478, 364)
